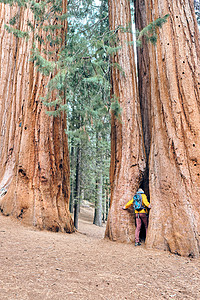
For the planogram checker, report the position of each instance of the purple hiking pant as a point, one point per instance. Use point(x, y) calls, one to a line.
point(140, 218)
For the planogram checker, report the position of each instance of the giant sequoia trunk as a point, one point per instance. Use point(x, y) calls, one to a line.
point(127, 151)
point(34, 164)
point(144, 86)
point(174, 135)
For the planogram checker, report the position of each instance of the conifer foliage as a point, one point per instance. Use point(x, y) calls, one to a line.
point(150, 31)
point(197, 10)
point(87, 89)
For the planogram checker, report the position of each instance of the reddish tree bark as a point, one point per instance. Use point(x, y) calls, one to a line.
point(127, 150)
point(144, 88)
point(34, 165)
point(174, 135)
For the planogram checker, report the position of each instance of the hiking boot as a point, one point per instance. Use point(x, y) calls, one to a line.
point(138, 244)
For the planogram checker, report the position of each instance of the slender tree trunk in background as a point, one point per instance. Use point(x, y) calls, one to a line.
point(107, 203)
point(98, 206)
point(127, 149)
point(34, 160)
point(174, 161)
point(77, 188)
point(96, 188)
point(71, 203)
point(104, 206)
point(99, 185)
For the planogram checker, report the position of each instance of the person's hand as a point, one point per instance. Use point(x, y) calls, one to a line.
point(123, 208)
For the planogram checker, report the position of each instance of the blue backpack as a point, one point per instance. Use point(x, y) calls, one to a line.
point(137, 202)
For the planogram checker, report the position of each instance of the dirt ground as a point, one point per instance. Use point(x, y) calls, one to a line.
point(83, 266)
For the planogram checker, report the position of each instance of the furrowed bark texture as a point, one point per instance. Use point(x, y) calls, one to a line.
point(127, 150)
point(174, 161)
point(34, 165)
point(144, 86)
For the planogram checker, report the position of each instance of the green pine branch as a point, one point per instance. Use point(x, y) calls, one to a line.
point(16, 32)
point(150, 31)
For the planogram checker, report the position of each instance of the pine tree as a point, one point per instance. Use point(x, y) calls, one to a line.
point(87, 91)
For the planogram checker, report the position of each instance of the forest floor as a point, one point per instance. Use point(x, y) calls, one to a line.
point(83, 266)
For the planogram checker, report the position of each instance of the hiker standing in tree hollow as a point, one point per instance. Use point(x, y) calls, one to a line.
point(141, 214)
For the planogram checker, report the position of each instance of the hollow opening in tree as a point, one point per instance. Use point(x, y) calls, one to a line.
point(145, 186)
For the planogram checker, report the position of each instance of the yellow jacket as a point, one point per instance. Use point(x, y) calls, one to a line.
point(144, 202)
